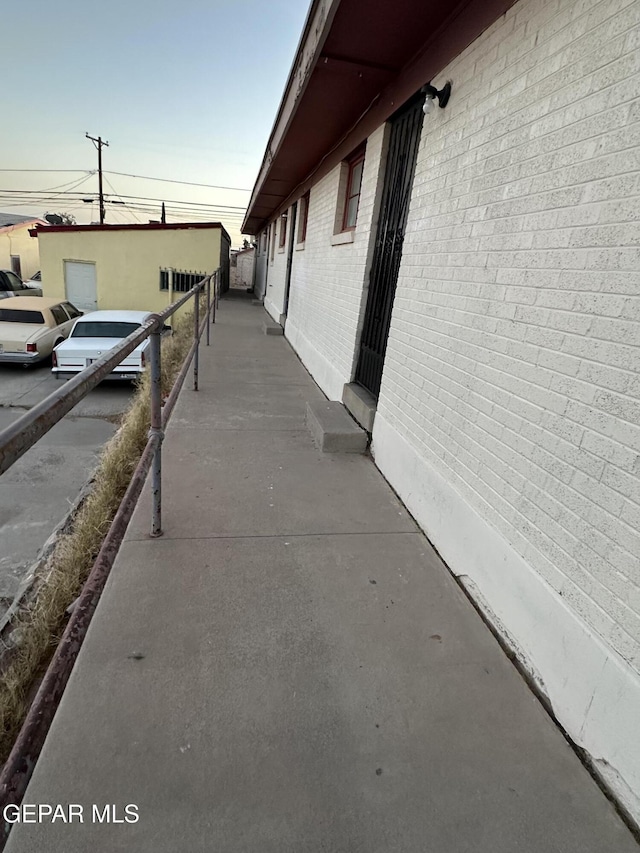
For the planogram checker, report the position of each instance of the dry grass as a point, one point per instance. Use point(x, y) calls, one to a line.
point(40, 623)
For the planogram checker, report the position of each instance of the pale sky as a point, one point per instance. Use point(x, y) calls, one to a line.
point(182, 89)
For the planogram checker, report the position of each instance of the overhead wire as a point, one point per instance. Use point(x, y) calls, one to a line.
point(185, 202)
point(75, 182)
point(141, 177)
point(108, 182)
point(143, 206)
point(184, 183)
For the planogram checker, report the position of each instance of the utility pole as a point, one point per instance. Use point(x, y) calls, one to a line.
point(98, 144)
point(163, 217)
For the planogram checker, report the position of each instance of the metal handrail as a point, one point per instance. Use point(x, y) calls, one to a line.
point(23, 433)
point(18, 768)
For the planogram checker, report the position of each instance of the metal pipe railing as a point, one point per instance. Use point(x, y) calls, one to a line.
point(20, 764)
point(22, 434)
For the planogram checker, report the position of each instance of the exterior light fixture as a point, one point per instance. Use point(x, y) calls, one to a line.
point(431, 93)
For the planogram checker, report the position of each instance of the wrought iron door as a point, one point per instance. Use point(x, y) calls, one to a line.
point(401, 161)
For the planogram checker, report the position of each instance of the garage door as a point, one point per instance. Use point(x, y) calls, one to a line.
point(80, 281)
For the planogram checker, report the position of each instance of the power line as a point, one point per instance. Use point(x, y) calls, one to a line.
point(77, 203)
point(74, 182)
point(47, 171)
point(109, 184)
point(41, 194)
point(153, 211)
point(141, 177)
point(185, 183)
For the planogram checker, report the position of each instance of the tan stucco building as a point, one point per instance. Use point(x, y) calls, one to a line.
point(138, 267)
point(18, 249)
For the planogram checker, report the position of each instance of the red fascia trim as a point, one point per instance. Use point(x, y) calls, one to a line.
point(134, 227)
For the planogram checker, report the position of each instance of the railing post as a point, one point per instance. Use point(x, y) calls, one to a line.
point(156, 430)
point(208, 310)
point(196, 331)
point(215, 280)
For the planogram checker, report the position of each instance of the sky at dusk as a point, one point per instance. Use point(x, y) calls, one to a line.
point(185, 90)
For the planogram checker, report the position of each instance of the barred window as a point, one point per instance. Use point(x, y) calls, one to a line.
point(182, 281)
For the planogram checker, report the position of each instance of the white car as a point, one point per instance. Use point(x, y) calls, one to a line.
point(31, 326)
point(95, 334)
point(11, 285)
point(35, 282)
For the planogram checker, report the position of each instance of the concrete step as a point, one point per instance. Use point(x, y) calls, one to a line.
point(361, 404)
point(333, 429)
point(272, 329)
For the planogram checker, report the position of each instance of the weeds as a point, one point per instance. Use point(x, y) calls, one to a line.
point(39, 624)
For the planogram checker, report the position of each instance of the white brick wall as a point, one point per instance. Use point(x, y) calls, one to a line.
point(241, 275)
point(509, 414)
point(326, 296)
point(514, 358)
point(513, 365)
point(274, 297)
point(262, 254)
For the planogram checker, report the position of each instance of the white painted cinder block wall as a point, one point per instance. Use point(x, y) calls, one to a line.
point(260, 282)
point(509, 414)
point(328, 281)
point(277, 266)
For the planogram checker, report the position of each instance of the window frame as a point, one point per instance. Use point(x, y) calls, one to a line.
point(304, 218)
point(15, 286)
point(352, 162)
point(62, 313)
point(71, 310)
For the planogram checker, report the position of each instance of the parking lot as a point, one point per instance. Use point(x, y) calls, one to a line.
point(38, 491)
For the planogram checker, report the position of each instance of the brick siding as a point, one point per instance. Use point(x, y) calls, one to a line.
point(513, 364)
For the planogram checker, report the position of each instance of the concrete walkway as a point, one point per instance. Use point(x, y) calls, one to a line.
point(291, 669)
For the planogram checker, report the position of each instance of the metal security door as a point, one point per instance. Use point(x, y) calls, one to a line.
point(81, 286)
point(401, 161)
point(287, 285)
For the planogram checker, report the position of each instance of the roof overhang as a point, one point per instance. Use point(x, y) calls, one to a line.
point(356, 64)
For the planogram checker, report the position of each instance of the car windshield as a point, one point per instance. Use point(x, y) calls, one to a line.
point(104, 330)
point(14, 315)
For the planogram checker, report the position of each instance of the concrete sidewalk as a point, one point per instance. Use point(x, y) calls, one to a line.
point(291, 669)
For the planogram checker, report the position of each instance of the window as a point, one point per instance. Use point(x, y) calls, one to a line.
point(58, 315)
point(96, 329)
point(182, 281)
point(15, 266)
point(11, 315)
point(283, 230)
point(14, 282)
point(352, 197)
point(265, 240)
point(273, 240)
point(71, 310)
point(304, 216)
